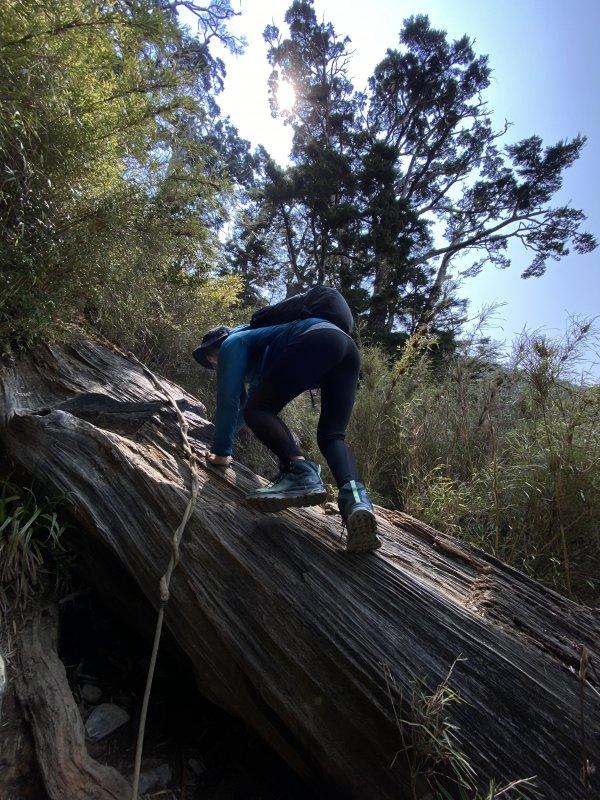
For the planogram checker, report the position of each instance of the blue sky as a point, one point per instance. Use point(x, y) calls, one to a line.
point(545, 57)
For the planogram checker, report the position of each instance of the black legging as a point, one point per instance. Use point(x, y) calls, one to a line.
point(320, 356)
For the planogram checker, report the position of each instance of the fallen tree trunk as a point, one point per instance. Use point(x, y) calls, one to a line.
point(289, 632)
point(67, 769)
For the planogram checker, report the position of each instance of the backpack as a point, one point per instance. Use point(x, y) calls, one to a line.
point(324, 302)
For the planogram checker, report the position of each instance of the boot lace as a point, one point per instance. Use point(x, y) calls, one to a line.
point(283, 470)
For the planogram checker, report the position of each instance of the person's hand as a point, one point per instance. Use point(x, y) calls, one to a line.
point(220, 461)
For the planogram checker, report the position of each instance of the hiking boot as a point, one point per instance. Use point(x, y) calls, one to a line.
point(358, 517)
point(298, 484)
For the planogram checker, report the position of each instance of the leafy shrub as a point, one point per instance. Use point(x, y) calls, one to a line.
point(112, 190)
point(30, 541)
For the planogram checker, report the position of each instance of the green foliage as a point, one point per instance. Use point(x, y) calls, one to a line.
point(30, 540)
point(112, 188)
point(182, 310)
point(510, 458)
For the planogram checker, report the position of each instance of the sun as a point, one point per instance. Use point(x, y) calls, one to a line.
point(286, 96)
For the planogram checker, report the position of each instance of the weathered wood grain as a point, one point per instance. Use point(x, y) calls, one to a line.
point(287, 630)
point(67, 769)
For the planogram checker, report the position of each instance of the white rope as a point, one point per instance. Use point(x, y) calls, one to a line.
point(173, 561)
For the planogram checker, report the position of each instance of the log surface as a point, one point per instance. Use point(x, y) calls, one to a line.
point(43, 690)
point(287, 630)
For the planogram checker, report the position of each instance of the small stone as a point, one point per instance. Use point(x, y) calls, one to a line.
point(104, 719)
point(157, 778)
point(196, 766)
point(91, 694)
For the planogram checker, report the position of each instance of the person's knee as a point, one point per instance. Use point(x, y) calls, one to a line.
point(249, 414)
point(254, 411)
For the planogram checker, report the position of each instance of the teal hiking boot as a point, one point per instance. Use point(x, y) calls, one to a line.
point(358, 517)
point(298, 484)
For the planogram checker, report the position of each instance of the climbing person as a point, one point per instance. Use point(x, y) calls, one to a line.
point(299, 344)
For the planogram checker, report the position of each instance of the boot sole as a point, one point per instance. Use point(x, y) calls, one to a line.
point(280, 502)
point(362, 532)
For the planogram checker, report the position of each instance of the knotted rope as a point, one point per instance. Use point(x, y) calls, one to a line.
point(173, 561)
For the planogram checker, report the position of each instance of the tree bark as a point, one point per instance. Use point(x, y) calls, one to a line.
point(380, 302)
point(428, 313)
point(287, 630)
point(20, 776)
point(67, 769)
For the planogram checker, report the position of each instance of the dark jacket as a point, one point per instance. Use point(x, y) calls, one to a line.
point(246, 357)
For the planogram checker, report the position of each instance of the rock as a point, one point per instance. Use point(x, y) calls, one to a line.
point(156, 778)
point(91, 694)
point(196, 766)
point(105, 719)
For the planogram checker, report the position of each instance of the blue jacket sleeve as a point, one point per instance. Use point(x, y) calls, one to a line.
point(240, 419)
point(233, 355)
point(231, 397)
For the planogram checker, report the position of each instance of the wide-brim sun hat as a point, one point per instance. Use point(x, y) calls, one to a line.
point(213, 337)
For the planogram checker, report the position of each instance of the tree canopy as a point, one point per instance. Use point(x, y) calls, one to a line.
point(390, 188)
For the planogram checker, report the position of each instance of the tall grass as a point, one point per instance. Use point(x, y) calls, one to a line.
point(505, 455)
point(431, 744)
point(30, 543)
